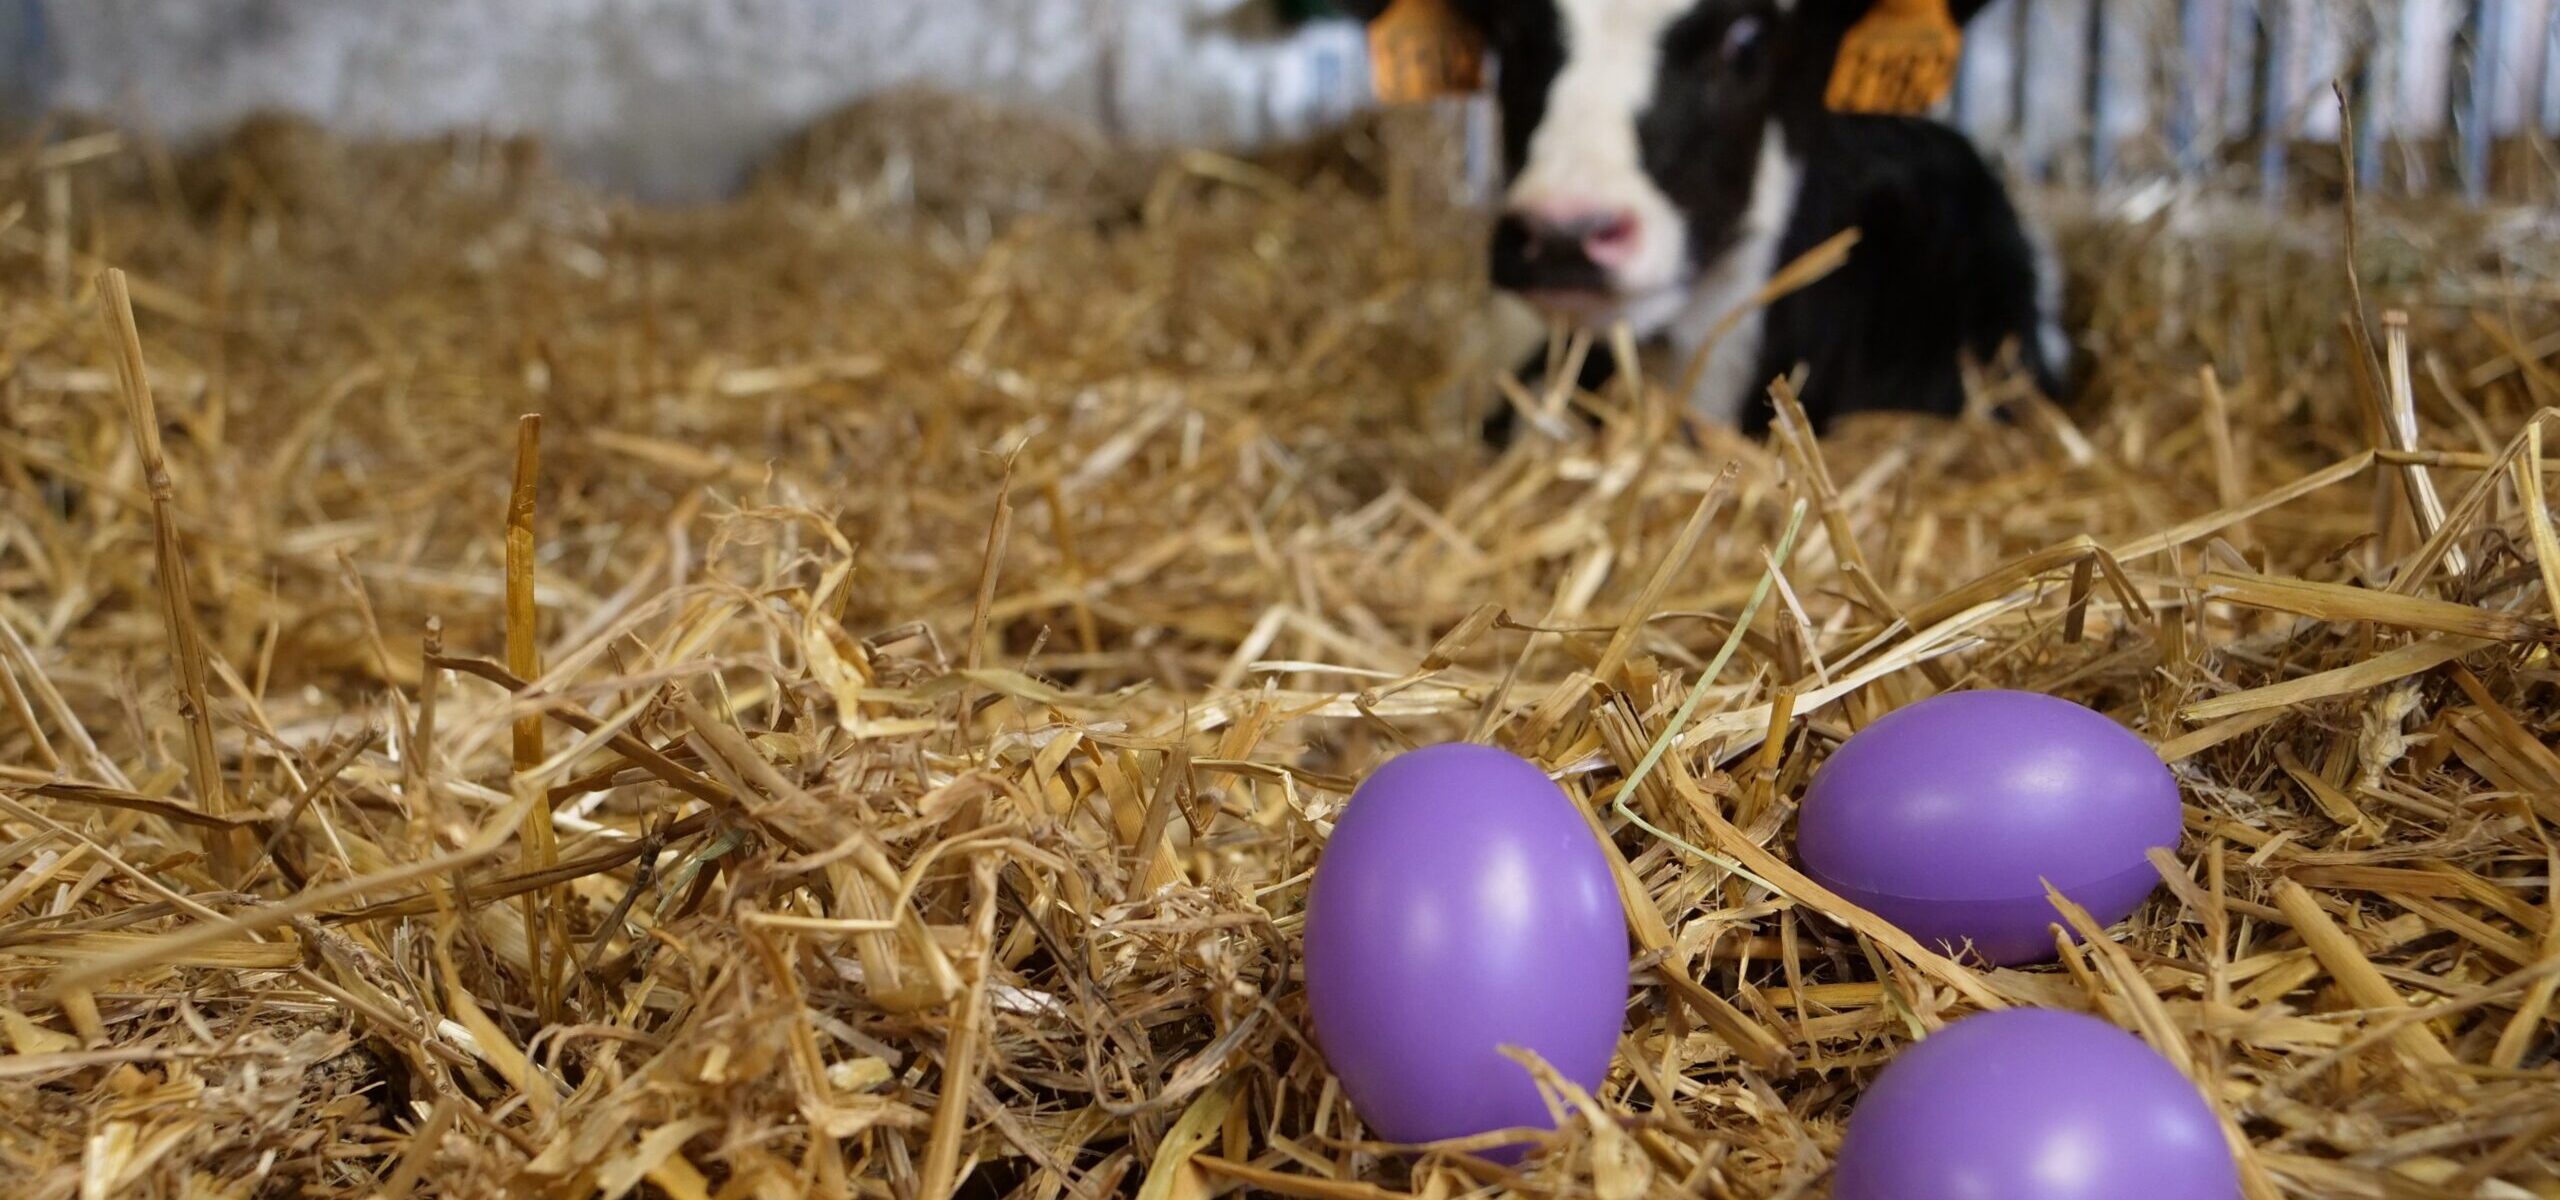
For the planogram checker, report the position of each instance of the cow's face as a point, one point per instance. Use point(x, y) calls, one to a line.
point(1644, 140)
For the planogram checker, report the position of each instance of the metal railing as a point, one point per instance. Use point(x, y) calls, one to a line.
point(2443, 94)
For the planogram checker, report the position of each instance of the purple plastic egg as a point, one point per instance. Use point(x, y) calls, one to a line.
point(2029, 1104)
point(1946, 818)
point(1462, 906)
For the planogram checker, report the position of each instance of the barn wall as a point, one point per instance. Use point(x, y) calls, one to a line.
point(673, 97)
point(2179, 81)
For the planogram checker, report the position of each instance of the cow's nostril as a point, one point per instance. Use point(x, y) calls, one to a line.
point(1592, 233)
point(1616, 232)
point(1611, 241)
point(1534, 252)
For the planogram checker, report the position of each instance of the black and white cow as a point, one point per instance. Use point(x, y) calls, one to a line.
point(1665, 157)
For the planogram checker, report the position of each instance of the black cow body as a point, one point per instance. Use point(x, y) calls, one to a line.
point(1944, 269)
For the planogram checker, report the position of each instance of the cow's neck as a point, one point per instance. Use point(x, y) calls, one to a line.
point(1721, 317)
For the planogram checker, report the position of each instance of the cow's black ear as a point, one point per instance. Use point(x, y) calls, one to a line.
point(1830, 16)
point(1365, 10)
point(1845, 11)
point(1963, 10)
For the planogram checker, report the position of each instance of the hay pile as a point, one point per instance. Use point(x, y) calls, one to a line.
point(952, 630)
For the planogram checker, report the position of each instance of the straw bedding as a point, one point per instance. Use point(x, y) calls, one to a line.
point(872, 737)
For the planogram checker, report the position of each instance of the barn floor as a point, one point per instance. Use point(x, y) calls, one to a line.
point(966, 582)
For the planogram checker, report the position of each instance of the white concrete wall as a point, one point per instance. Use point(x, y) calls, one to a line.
point(672, 97)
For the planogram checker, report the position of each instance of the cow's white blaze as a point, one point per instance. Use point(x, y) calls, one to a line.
point(1584, 154)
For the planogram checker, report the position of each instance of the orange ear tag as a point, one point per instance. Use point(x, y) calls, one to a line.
point(1898, 59)
point(1423, 50)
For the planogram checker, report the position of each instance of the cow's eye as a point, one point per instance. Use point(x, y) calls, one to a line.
point(1741, 42)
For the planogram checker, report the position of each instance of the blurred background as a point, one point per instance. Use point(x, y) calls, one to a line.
point(673, 99)
point(1061, 529)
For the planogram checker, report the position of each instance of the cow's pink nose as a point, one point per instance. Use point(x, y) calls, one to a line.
point(1607, 236)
